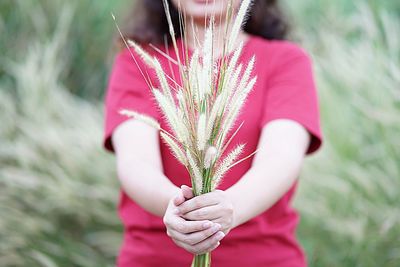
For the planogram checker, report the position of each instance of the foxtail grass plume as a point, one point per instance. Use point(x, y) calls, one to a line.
point(209, 100)
point(146, 119)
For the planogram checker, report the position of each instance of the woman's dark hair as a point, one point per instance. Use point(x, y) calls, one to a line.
point(148, 23)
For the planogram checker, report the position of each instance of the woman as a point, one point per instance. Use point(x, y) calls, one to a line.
point(249, 217)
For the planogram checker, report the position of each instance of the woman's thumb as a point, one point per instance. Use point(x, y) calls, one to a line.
point(187, 192)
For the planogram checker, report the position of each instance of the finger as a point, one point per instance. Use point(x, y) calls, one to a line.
point(205, 246)
point(198, 202)
point(225, 226)
point(185, 246)
point(195, 237)
point(179, 199)
point(186, 227)
point(187, 192)
point(220, 220)
point(206, 213)
point(213, 247)
point(209, 243)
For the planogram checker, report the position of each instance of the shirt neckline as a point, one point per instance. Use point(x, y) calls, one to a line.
point(246, 44)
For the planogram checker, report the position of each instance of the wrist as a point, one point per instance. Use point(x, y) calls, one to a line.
point(235, 207)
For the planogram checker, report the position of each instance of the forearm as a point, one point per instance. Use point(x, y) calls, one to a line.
point(146, 185)
point(263, 185)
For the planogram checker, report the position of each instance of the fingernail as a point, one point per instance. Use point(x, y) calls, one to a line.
point(206, 225)
point(217, 226)
point(220, 235)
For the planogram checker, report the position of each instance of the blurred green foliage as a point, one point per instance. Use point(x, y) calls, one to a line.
point(58, 188)
point(350, 192)
point(89, 37)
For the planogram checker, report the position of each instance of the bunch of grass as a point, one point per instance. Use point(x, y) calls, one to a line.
point(208, 101)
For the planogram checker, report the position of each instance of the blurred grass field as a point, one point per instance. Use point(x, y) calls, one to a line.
point(58, 189)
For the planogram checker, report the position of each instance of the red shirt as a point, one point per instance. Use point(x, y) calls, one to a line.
point(285, 88)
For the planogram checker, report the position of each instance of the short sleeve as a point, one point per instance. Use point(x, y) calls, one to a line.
point(127, 89)
point(291, 93)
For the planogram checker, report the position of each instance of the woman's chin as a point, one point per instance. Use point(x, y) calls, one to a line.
point(202, 9)
point(205, 12)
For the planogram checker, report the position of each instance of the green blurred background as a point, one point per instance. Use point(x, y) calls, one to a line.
point(58, 188)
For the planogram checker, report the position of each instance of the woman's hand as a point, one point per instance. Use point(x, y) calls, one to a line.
point(215, 206)
point(197, 236)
